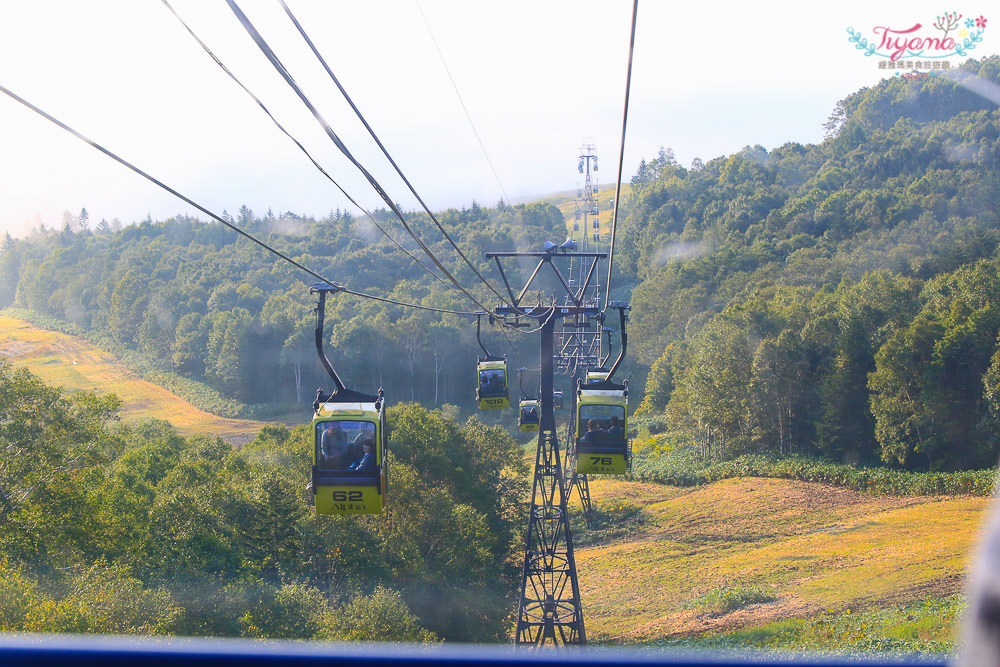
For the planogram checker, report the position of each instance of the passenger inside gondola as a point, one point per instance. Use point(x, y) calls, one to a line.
point(366, 463)
point(366, 431)
point(529, 414)
point(340, 446)
point(605, 424)
point(332, 446)
point(616, 432)
point(492, 382)
point(595, 433)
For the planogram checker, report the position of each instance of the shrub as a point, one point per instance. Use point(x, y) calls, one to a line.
point(683, 467)
point(381, 616)
point(730, 598)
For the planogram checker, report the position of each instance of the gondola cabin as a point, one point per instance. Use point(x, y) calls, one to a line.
point(350, 467)
point(601, 428)
point(527, 419)
point(557, 400)
point(491, 392)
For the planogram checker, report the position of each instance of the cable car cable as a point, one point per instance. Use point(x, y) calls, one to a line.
point(276, 63)
point(385, 152)
point(468, 116)
point(552, 312)
point(301, 147)
point(286, 75)
point(403, 303)
point(621, 156)
point(14, 96)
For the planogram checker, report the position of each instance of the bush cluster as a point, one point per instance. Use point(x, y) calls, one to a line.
point(683, 467)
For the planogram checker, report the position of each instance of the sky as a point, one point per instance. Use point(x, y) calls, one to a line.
point(538, 79)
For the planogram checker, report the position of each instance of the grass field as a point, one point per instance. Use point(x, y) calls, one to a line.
point(665, 563)
point(72, 363)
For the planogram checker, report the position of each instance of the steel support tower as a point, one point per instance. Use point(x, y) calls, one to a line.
point(578, 346)
point(549, 607)
point(579, 339)
point(586, 198)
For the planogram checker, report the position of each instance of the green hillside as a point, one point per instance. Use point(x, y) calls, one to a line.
point(131, 528)
point(664, 564)
point(776, 293)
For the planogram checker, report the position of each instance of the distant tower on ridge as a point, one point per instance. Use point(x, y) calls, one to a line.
point(586, 201)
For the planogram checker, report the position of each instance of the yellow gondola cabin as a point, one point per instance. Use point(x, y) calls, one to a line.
point(350, 463)
point(491, 392)
point(349, 458)
point(601, 428)
point(527, 418)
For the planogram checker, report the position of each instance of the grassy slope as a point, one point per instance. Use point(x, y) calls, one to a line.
point(566, 203)
point(817, 549)
point(74, 364)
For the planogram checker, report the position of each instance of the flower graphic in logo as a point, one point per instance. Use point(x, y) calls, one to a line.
point(963, 33)
point(969, 23)
point(981, 22)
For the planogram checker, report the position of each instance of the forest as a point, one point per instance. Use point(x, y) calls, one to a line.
point(197, 300)
point(835, 299)
point(839, 301)
point(137, 530)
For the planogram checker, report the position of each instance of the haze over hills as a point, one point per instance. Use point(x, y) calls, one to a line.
point(833, 303)
point(727, 260)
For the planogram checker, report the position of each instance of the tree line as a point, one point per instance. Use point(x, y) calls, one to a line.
point(884, 369)
point(201, 302)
